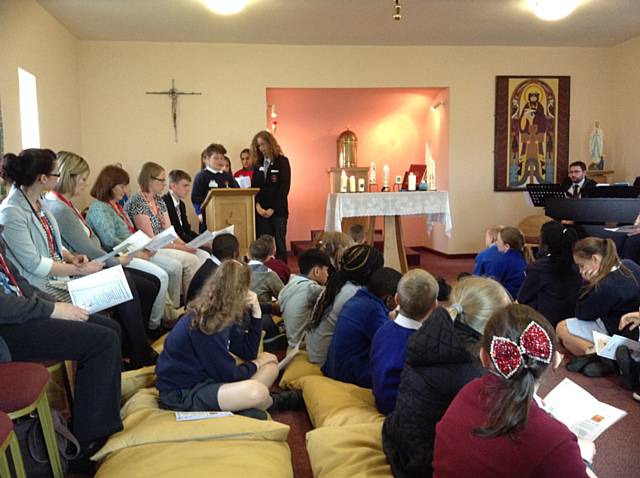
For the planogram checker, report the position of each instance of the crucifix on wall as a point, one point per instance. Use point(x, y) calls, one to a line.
point(173, 93)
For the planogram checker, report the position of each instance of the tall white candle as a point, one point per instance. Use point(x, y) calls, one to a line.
point(360, 185)
point(352, 184)
point(343, 181)
point(412, 182)
point(385, 176)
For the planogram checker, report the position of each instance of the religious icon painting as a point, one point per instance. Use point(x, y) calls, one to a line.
point(531, 131)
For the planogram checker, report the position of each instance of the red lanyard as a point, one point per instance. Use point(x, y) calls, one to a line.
point(44, 220)
point(73, 208)
point(121, 214)
point(6, 270)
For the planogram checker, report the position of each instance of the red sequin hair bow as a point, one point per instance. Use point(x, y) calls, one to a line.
point(507, 356)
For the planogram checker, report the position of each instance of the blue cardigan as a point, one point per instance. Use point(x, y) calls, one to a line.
point(485, 258)
point(191, 356)
point(358, 321)
point(508, 269)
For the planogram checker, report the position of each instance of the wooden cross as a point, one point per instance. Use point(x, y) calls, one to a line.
point(173, 93)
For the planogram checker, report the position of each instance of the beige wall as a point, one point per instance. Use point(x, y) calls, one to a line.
point(121, 123)
point(626, 94)
point(31, 39)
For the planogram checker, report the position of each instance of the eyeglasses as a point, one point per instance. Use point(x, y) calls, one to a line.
point(55, 175)
point(162, 180)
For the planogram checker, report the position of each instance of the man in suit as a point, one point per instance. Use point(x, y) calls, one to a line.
point(577, 180)
point(179, 184)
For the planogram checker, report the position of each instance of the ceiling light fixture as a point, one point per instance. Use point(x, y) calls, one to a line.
point(397, 16)
point(552, 10)
point(226, 7)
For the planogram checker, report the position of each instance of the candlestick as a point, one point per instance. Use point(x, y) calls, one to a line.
point(352, 184)
point(361, 185)
point(343, 182)
point(385, 176)
point(372, 173)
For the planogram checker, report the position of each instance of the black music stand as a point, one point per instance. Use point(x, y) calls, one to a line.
point(539, 192)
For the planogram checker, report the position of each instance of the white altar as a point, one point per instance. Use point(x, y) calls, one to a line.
point(432, 204)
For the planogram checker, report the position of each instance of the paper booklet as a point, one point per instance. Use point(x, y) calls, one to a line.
point(244, 181)
point(580, 411)
point(132, 244)
point(629, 228)
point(165, 238)
point(188, 416)
point(606, 346)
point(100, 290)
point(207, 236)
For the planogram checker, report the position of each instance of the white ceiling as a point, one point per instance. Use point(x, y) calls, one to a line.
point(599, 23)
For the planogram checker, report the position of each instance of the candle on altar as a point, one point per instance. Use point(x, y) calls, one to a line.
point(412, 182)
point(352, 184)
point(372, 173)
point(343, 181)
point(361, 185)
point(385, 176)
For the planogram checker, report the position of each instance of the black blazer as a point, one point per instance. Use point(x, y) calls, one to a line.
point(183, 229)
point(274, 189)
point(566, 184)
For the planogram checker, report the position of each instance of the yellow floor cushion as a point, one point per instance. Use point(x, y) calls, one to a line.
point(298, 368)
point(158, 345)
point(144, 423)
point(333, 403)
point(134, 380)
point(351, 451)
point(201, 459)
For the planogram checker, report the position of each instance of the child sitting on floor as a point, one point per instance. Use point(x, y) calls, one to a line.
point(417, 298)
point(508, 267)
point(196, 371)
point(494, 427)
point(266, 283)
point(358, 321)
point(298, 297)
point(276, 265)
point(490, 254)
point(629, 367)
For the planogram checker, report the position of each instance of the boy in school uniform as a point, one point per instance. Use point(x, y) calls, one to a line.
point(223, 247)
point(276, 265)
point(212, 176)
point(299, 296)
point(179, 184)
point(417, 297)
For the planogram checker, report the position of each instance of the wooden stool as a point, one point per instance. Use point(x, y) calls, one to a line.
point(8, 439)
point(23, 389)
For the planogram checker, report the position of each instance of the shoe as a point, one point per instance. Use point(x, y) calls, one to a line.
point(628, 368)
point(289, 400)
point(253, 413)
point(600, 368)
point(636, 396)
point(82, 463)
point(578, 363)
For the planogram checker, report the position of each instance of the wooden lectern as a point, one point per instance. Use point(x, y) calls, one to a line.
point(227, 206)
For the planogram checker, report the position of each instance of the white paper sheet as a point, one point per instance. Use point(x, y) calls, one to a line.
point(165, 238)
point(101, 290)
point(244, 181)
point(207, 236)
point(132, 244)
point(580, 411)
point(188, 416)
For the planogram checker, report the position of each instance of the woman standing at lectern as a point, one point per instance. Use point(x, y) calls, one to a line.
point(272, 175)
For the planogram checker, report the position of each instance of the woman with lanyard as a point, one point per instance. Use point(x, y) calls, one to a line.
point(30, 231)
point(112, 226)
point(148, 212)
point(77, 236)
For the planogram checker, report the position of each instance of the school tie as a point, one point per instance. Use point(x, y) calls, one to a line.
point(576, 189)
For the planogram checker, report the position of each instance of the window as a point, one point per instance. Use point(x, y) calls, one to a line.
point(29, 123)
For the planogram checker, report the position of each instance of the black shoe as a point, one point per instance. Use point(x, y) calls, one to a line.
point(289, 400)
point(628, 368)
point(253, 413)
point(578, 363)
point(600, 368)
point(82, 463)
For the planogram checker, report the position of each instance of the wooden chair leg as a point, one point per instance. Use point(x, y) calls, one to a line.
point(16, 456)
point(48, 430)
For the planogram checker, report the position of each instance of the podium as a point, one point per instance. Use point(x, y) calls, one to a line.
point(227, 206)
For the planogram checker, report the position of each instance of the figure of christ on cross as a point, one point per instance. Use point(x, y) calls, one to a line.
point(173, 93)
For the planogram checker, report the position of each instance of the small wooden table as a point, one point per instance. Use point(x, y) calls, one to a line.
point(391, 205)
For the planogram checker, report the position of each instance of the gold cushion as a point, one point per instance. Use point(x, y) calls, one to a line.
point(353, 451)
point(134, 380)
point(144, 423)
point(298, 367)
point(201, 459)
point(333, 403)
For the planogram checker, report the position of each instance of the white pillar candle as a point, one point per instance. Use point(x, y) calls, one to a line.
point(352, 184)
point(385, 176)
point(412, 182)
point(343, 181)
point(372, 173)
point(361, 185)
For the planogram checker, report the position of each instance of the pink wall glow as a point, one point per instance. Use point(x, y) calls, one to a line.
point(391, 125)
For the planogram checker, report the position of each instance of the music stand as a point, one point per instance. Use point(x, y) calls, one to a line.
point(539, 192)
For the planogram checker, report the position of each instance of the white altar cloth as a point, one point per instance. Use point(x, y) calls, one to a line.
point(433, 204)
